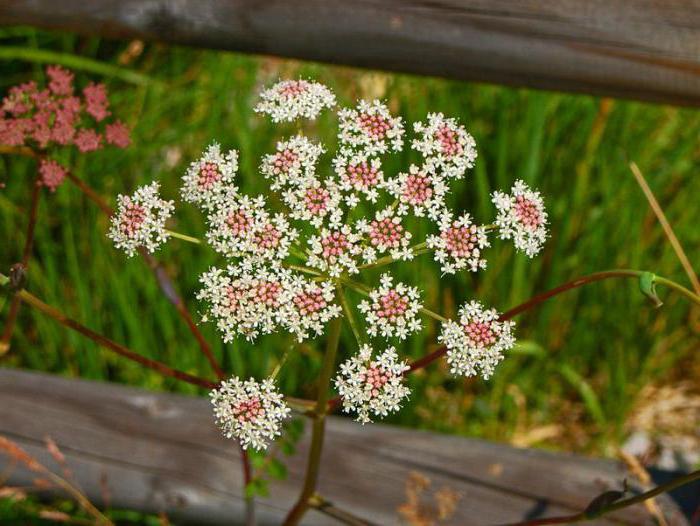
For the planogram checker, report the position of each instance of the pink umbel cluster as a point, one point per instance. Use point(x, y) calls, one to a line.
point(140, 220)
point(293, 99)
point(393, 309)
point(57, 116)
point(294, 268)
point(522, 218)
point(51, 174)
point(372, 387)
point(476, 343)
point(251, 412)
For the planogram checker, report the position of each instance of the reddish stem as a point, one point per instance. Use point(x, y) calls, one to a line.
point(26, 253)
point(157, 366)
point(164, 281)
point(532, 302)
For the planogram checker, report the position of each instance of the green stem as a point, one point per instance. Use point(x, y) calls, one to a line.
point(184, 237)
point(417, 249)
point(44, 56)
point(352, 321)
point(314, 462)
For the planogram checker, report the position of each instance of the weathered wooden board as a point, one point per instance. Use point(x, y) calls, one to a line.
point(646, 49)
point(162, 452)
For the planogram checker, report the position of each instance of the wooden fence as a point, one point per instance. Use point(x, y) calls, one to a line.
point(153, 451)
point(643, 49)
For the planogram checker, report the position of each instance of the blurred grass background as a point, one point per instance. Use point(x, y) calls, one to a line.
point(587, 360)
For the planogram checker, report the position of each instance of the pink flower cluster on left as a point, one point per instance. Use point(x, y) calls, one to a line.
point(57, 116)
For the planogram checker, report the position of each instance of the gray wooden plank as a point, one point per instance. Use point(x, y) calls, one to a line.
point(161, 451)
point(645, 49)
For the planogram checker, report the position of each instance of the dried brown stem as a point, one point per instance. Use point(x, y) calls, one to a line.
point(668, 230)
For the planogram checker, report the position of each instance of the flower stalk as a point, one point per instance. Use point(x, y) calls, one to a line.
point(319, 423)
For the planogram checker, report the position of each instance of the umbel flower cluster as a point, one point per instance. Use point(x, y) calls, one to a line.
point(290, 270)
point(58, 116)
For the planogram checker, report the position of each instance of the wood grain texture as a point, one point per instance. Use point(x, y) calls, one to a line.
point(642, 49)
point(161, 452)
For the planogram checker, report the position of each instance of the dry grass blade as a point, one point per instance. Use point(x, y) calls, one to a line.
point(666, 226)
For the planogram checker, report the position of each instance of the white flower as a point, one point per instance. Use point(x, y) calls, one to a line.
point(420, 190)
point(385, 233)
point(249, 411)
point(289, 100)
point(210, 180)
point(445, 145)
point(335, 251)
point(140, 220)
point(476, 344)
point(246, 299)
point(312, 307)
point(293, 164)
point(369, 129)
point(359, 173)
point(372, 388)
point(314, 202)
point(393, 310)
point(459, 244)
point(242, 227)
point(522, 217)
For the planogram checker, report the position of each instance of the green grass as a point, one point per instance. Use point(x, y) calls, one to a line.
point(584, 356)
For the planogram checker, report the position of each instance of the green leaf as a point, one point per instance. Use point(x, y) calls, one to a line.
point(257, 488)
point(647, 284)
point(277, 469)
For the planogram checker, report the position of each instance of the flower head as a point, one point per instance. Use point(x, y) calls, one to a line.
point(312, 306)
point(249, 411)
point(522, 218)
point(372, 388)
point(370, 128)
point(242, 227)
point(475, 344)
point(385, 234)
point(420, 191)
point(445, 145)
point(289, 100)
point(359, 174)
point(392, 309)
point(140, 220)
point(335, 250)
point(52, 174)
point(459, 244)
point(209, 181)
point(293, 164)
point(247, 300)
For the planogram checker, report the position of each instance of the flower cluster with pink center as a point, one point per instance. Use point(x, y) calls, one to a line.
point(249, 411)
point(289, 100)
point(139, 221)
point(242, 227)
point(392, 310)
point(280, 275)
point(372, 387)
point(448, 149)
point(210, 180)
point(459, 245)
point(370, 128)
point(476, 343)
point(522, 218)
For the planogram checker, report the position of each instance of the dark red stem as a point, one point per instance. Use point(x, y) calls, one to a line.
point(26, 253)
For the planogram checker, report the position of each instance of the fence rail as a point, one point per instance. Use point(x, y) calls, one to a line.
point(161, 452)
point(641, 49)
